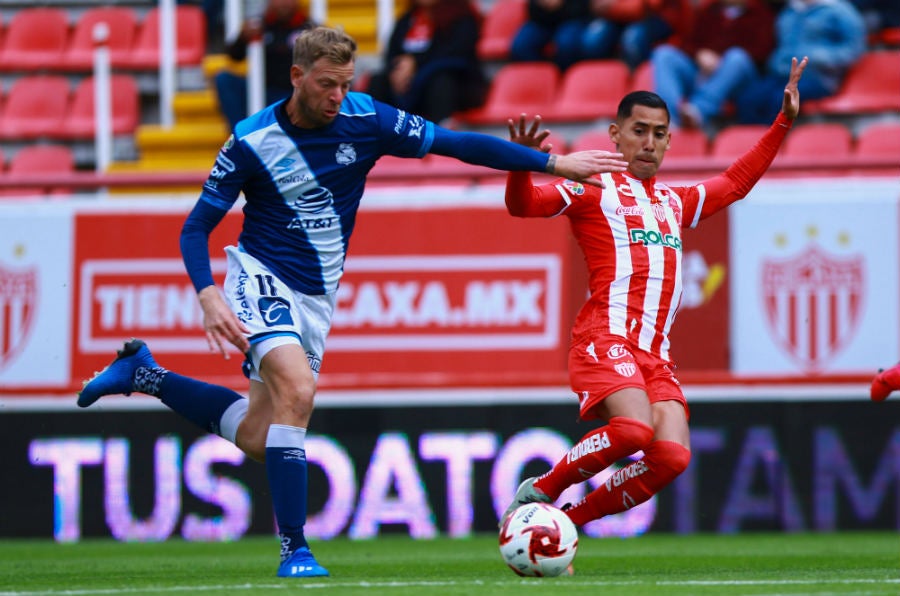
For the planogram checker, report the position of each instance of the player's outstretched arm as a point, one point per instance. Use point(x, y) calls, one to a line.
point(790, 107)
point(581, 166)
point(486, 150)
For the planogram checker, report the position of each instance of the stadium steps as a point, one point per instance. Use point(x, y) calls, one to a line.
point(359, 18)
point(190, 145)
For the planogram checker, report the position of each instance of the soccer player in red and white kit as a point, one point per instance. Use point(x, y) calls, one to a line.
point(619, 362)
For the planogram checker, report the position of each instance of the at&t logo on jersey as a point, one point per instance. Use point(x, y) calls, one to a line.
point(275, 311)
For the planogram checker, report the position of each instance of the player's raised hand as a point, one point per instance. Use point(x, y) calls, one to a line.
point(791, 104)
point(221, 324)
point(529, 136)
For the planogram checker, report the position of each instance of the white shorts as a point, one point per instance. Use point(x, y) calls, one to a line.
point(275, 314)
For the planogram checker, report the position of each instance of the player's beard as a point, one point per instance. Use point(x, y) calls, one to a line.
point(311, 113)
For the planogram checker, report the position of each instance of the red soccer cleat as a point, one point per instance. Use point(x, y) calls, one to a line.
point(885, 382)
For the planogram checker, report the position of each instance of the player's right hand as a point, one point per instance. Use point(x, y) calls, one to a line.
point(221, 324)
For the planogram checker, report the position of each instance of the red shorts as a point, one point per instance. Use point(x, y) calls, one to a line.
point(601, 364)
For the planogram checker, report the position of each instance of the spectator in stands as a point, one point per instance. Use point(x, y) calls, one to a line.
point(279, 26)
point(879, 14)
point(726, 47)
point(431, 67)
point(553, 28)
point(830, 32)
point(631, 28)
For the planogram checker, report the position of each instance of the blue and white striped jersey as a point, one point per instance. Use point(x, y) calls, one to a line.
point(303, 187)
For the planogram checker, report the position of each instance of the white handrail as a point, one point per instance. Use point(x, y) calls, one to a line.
point(318, 11)
point(234, 19)
point(385, 22)
point(102, 99)
point(167, 53)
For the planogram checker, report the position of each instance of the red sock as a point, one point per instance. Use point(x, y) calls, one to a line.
point(595, 452)
point(635, 483)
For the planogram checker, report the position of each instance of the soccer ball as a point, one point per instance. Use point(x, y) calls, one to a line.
point(538, 540)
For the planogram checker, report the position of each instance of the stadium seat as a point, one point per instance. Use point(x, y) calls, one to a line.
point(688, 142)
point(190, 38)
point(642, 78)
point(35, 40)
point(520, 87)
point(736, 140)
point(591, 89)
point(872, 85)
point(122, 23)
point(879, 140)
point(500, 25)
point(819, 139)
point(890, 37)
point(40, 159)
point(35, 107)
point(391, 168)
point(595, 138)
point(79, 122)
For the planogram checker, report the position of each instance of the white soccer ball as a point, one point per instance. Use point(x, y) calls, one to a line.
point(538, 540)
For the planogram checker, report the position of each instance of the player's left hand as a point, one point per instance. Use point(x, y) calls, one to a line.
point(529, 136)
point(790, 107)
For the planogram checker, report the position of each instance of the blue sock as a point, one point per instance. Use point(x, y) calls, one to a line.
point(201, 403)
point(286, 469)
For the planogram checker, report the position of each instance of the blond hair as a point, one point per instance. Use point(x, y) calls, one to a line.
point(332, 44)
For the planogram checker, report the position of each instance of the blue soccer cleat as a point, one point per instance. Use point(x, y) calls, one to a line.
point(118, 377)
point(302, 563)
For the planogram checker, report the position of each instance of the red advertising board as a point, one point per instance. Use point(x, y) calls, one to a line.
point(454, 296)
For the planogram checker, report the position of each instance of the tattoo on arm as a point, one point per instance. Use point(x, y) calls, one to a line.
point(551, 165)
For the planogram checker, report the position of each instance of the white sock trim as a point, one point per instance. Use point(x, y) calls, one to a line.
point(232, 418)
point(282, 436)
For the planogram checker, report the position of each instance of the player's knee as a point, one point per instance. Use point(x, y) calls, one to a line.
point(632, 435)
point(667, 458)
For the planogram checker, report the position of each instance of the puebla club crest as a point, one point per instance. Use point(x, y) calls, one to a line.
point(18, 303)
point(813, 304)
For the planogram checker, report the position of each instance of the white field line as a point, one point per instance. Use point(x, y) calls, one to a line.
point(536, 583)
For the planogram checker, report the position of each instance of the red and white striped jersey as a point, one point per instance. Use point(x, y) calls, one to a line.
point(630, 233)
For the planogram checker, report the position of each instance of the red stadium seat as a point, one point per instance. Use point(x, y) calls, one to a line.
point(500, 25)
point(190, 38)
point(122, 23)
point(880, 140)
point(872, 85)
point(79, 122)
point(520, 87)
point(35, 40)
point(595, 138)
point(40, 159)
point(736, 140)
point(890, 37)
point(642, 78)
point(35, 107)
point(688, 142)
point(818, 139)
point(591, 89)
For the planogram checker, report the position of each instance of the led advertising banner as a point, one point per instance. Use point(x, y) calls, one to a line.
point(144, 474)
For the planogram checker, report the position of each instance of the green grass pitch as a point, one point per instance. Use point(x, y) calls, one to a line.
point(656, 564)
